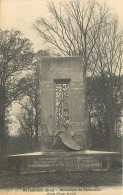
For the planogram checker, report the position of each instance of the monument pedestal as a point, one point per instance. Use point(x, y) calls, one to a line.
point(62, 161)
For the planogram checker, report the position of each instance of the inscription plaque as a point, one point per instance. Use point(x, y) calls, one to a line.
point(65, 163)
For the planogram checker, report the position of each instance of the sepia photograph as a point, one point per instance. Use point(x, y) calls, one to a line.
point(61, 69)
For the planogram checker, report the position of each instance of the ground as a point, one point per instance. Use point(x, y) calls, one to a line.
point(79, 179)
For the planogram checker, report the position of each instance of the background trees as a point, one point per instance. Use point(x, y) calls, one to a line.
point(106, 81)
point(15, 56)
point(98, 100)
point(29, 115)
point(90, 30)
point(108, 66)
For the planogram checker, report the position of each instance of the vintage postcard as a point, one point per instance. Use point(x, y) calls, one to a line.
point(61, 66)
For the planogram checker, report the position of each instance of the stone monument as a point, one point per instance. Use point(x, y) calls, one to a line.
point(63, 123)
point(63, 103)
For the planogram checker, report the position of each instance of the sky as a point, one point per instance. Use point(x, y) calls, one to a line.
point(21, 15)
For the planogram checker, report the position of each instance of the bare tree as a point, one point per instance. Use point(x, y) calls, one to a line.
point(74, 27)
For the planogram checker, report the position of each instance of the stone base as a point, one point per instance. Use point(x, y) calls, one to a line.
point(61, 161)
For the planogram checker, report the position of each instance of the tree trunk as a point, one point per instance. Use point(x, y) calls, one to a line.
point(2, 132)
point(3, 141)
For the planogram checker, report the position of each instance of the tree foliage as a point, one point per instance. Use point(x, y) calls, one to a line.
point(29, 86)
point(99, 104)
point(29, 117)
point(15, 56)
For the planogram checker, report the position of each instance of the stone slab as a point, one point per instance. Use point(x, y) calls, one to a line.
point(61, 161)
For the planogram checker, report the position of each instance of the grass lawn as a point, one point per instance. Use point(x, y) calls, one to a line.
point(79, 179)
